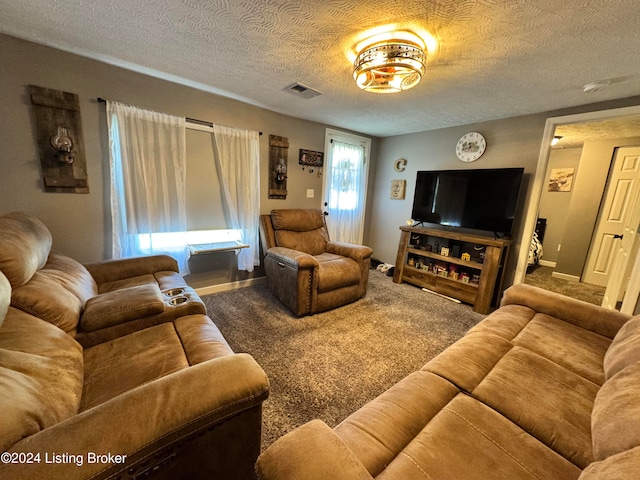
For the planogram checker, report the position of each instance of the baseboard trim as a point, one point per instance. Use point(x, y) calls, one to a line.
point(547, 263)
point(224, 287)
point(565, 276)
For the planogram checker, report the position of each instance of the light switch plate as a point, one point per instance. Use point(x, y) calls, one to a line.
point(311, 193)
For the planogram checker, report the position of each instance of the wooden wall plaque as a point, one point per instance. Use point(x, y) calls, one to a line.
point(55, 110)
point(278, 153)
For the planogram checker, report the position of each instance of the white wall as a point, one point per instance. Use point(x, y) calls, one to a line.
point(554, 206)
point(589, 186)
point(80, 223)
point(512, 142)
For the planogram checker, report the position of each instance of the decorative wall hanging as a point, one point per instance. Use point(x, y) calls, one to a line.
point(400, 164)
point(398, 188)
point(278, 160)
point(311, 159)
point(561, 180)
point(59, 139)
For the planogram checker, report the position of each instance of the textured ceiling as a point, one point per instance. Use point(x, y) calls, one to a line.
point(574, 135)
point(494, 58)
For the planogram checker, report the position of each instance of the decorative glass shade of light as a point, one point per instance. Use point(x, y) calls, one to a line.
point(392, 64)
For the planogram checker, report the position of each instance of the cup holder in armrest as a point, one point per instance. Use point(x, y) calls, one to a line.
point(178, 301)
point(174, 292)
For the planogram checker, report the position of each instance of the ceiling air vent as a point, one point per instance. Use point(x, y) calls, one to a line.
point(303, 91)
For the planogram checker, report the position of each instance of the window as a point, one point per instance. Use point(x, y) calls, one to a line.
point(170, 188)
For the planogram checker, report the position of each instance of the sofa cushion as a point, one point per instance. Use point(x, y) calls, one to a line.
point(468, 440)
point(468, 361)
point(624, 349)
point(57, 293)
point(129, 282)
point(165, 280)
point(72, 275)
point(41, 374)
point(616, 414)
point(506, 322)
point(201, 339)
point(300, 229)
point(313, 242)
point(25, 243)
point(335, 271)
point(379, 431)
point(622, 466)
point(568, 345)
point(524, 387)
point(121, 306)
point(124, 363)
point(297, 219)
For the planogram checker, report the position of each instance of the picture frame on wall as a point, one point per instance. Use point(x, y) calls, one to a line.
point(398, 189)
point(311, 159)
point(561, 179)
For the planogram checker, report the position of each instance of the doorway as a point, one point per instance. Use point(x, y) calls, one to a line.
point(540, 182)
point(617, 207)
point(344, 188)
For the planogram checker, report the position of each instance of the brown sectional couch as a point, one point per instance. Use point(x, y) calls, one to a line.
point(546, 387)
point(114, 370)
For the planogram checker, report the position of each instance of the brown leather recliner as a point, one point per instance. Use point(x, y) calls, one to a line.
point(305, 270)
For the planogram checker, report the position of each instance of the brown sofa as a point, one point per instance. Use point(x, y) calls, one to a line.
point(546, 387)
point(306, 271)
point(107, 373)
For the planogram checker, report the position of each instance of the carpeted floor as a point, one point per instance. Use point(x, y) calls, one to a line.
point(330, 364)
point(540, 276)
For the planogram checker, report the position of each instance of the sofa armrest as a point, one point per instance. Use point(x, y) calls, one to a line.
point(293, 277)
point(311, 452)
point(119, 269)
point(293, 258)
point(141, 423)
point(582, 314)
point(359, 253)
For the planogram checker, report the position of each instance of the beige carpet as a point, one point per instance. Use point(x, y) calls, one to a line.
point(540, 276)
point(330, 364)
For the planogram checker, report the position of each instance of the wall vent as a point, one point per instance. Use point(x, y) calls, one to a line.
point(302, 90)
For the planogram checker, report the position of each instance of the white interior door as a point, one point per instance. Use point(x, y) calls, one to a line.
point(344, 189)
point(632, 293)
point(623, 265)
point(615, 214)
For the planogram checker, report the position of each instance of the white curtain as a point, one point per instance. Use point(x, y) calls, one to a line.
point(148, 174)
point(345, 207)
point(238, 157)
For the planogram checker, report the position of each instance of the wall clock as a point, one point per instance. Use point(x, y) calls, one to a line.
point(470, 147)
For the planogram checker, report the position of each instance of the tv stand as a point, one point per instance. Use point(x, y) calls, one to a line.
point(469, 268)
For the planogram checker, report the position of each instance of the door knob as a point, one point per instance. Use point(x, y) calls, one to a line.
point(618, 236)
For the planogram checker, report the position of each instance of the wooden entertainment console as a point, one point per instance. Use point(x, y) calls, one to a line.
point(469, 268)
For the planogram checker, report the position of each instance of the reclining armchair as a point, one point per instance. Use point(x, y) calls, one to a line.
point(306, 271)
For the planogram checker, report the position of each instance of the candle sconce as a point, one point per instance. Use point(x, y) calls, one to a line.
point(278, 158)
point(59, 140)
point(62, 142)
point(281, 171)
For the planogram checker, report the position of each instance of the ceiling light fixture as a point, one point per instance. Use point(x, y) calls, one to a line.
point(390, 62)
point(595, 86)
point(555, 140)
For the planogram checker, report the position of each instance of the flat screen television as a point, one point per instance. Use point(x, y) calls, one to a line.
point(483, 199)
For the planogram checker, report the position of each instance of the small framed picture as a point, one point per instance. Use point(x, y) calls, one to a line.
point(398, 188)
point(309, 158)
point(561, 179)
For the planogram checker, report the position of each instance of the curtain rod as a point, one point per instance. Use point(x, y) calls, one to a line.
point(190, 120)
